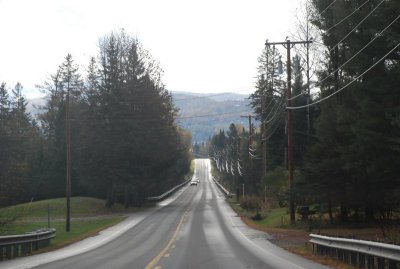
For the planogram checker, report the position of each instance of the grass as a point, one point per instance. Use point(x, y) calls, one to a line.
point(80, 207)
point(276, 217)
point(80, 229)
point(276, 222)
point(88, 217)
point(273, 218)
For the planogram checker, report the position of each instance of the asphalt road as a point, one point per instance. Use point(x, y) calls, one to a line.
point(196, 230)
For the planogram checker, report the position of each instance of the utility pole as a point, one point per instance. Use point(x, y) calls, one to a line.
point(68, 164)
point(288, 45)
point(263, 139)
point(308, 85)
point(250, 135)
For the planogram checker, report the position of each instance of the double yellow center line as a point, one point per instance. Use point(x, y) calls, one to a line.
point(154, 261)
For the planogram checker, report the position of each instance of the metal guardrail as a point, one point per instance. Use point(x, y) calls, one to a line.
point(357, 252)
point(166, 194)
point(12, 246)
point(225, 191)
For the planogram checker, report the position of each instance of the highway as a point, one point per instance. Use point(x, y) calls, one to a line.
point(196, 230)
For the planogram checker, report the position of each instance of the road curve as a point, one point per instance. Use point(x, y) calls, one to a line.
point(196, 230)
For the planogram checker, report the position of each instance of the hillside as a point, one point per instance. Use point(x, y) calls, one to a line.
point(201, 114)
point(206, 114)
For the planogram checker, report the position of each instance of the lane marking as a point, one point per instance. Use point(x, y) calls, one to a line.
point(171, 241)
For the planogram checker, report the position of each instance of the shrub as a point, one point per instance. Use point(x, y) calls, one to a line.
point(251, 203)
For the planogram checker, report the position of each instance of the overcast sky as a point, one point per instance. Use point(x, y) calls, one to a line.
point(202, 46)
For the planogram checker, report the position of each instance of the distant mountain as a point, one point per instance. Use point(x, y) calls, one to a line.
point(206, 114)
point(202, 114)
point(225, 96)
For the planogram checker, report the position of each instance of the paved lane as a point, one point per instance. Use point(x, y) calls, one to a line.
point(196, 230)
point(213, 236)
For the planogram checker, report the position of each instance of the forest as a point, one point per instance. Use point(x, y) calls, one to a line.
point(116, 119)
point(345, 108)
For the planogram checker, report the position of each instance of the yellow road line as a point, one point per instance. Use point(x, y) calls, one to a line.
point(171, 241)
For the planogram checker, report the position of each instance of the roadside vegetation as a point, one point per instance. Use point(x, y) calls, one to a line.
point(345, 146)
point(276, 223)
point(120, 133)
point(89, 216)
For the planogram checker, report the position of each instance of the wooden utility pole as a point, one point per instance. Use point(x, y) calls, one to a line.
point(68, 164)
point(250, 135)
point(263, 138)
point(288, 45)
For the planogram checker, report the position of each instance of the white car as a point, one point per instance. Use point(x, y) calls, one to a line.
point(193, 182)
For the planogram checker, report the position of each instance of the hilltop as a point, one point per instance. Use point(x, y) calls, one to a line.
point(201, 114)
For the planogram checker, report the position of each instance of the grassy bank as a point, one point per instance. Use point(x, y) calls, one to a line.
point(88, 217)
point(276, 222)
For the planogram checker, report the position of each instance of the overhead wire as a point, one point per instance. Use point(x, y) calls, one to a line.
point(277, 107)
point(296, 96)
point(348, 84)
point(354, 28)
point(348, 16)
point(358, 52)
point(323, 11)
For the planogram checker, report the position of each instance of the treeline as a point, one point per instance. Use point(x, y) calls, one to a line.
point(124, 140)
point(346, 146)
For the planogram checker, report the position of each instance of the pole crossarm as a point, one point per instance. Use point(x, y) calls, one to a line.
point(285, 43)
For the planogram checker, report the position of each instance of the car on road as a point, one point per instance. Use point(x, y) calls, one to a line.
point(193, 182)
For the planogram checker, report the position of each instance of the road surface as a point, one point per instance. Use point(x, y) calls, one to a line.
point(196, 230)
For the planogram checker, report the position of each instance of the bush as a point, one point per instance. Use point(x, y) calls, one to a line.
point(251, 203)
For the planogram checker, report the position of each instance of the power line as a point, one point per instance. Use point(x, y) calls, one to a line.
point(357, 26)
point(351, 58)
point(345, 18)
point(296, 96)
point(348, 84)
point(323, 11)
point(276, 111)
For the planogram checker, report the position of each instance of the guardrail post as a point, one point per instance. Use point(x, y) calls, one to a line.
point(9, 252)
point(381, 263)
point(353, 258)
point(319, 247)
point(367, 254)
point(16, 252)
point(371, 262)
point(333, 253)
point(35, 245)
point(340, 255)
point(26, 248)
point(346, 256)
point(361, 260)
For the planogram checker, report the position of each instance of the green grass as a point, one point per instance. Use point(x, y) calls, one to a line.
point(80, 207)
point(276, 217)
point(88, 217)
point(80, 229)
point(272, 218)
